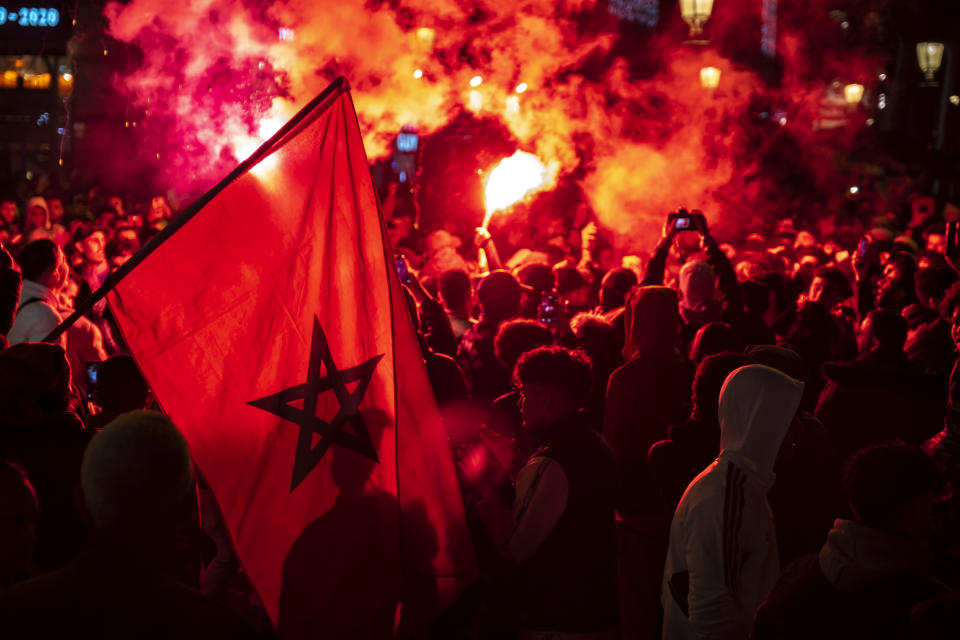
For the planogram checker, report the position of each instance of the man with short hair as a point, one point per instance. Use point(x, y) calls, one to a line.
point(563, 541)
point(136, 482)
point(499, 294)
point(44, 270)
point(457, 298)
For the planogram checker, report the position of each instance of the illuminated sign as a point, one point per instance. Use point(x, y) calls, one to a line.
point(30, 17)
point(407, 142)
point(34, 29)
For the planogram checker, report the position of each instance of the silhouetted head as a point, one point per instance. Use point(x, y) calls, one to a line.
point(554, 384)
point(137, 477)
point(892, 486)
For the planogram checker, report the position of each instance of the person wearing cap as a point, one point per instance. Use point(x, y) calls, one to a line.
point(499, 295)
point(89, 244)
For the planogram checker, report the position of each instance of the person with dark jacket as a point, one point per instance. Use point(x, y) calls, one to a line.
point(928, 333)
point(644, 397)
point(560, 539)
point(874, 568)
point(499, 295)
point(882, 394)
point(806, 496)
point(693, 444)
point(708, 290)
point(136, 485)
point(41, 434)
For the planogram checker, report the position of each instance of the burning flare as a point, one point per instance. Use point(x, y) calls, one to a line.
point(512, 180)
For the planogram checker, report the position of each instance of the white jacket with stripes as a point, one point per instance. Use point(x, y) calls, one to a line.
point(722, 559)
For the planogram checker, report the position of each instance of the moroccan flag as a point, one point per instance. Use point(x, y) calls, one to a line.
point(273, 330)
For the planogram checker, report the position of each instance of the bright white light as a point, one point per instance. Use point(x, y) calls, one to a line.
point(521, 87)
point(418, 73)
point(882, 77)
point(955, 100)
point(512, 180)
point(783, 122)
point(476, 100)
point(513, 104)
point(476, 81)
point(68, 77)
point(854, 190)
point(285, 34)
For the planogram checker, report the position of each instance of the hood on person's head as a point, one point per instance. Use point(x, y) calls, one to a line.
point(38, 201)
point(786, 360)
point(757, 405)
point(651, 322)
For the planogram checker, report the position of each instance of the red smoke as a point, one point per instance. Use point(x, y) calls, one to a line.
point(626, 113)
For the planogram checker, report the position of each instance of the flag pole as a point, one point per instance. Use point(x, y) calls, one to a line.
point(334, 90)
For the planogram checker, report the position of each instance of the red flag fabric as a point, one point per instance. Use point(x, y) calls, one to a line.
point(273, 330)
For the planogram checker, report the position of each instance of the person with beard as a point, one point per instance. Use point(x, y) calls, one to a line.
point(892, 288)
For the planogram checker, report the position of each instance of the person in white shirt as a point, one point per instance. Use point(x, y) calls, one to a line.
point(44, 270)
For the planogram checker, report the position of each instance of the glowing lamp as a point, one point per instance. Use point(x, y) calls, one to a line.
point(418, 73)
point(475, 102)
point(476, 81)
point(709, 77)
point(426, 36)
point(696, 13)
point(929, 57)
point(955, 100)
point(36, 81)
point(521, 87)
point(8, 79)
point(853, 93)
point(65, 85)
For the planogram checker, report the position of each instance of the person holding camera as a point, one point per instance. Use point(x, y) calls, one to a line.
point(709, 290)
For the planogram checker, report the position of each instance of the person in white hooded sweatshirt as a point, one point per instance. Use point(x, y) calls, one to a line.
point(722, 560)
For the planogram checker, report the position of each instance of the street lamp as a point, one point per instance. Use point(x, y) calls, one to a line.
point(929, 57)
point(853, 93)
point(709, 77)
point(696, 13)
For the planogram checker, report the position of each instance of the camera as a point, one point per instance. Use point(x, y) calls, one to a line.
point(92, 370)
point(548, 311)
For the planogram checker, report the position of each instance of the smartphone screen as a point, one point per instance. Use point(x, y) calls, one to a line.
point(402, 271)
point(682, 223)
point(92, 370)
point(547, 312)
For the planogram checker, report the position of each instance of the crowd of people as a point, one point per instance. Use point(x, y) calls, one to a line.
point(754, 437)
